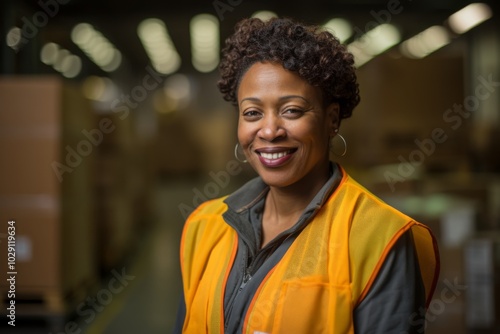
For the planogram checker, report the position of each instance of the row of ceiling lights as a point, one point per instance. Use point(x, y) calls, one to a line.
point(385, 36)
point(438, 36)
point(204, 31)
point(154, 36)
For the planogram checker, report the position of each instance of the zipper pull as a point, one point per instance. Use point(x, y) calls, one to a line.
point(246, 278)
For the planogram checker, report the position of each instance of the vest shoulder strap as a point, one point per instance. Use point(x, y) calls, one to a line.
point(375, 232)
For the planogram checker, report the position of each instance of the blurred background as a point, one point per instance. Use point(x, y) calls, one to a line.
point(112, 131)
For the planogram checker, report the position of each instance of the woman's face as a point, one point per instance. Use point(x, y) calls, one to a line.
point(283, 126)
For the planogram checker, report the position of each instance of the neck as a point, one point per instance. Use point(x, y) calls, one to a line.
point(284, 205)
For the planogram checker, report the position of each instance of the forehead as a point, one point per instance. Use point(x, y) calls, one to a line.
point(263, 80)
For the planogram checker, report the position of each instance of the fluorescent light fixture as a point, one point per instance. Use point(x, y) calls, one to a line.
point(204, 29)
point(340, 28)
point(113, 63)
point(469, 17)
point(426, 42)
point(14, 37)
point(61, 55)
point(63, 61)
point(97, 47)
point(71, 66)
point(264, 15)
point(374, 42)
point(159, 46)
point(360, 57)
point(48, 54)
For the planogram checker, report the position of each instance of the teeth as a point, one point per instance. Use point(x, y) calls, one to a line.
point(274, 156)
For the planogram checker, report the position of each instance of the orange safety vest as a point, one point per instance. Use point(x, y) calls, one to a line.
point(323, 276)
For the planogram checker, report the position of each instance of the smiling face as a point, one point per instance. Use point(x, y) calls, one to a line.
point(284, 126)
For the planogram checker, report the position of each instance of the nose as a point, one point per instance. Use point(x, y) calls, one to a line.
point(272, 128)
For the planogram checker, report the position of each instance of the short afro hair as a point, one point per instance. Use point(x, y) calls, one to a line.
point(313, 53)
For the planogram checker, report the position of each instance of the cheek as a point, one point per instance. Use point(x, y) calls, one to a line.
point(309, 133)
point(244, 133)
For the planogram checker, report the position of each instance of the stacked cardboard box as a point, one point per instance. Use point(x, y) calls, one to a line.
point(46, 188)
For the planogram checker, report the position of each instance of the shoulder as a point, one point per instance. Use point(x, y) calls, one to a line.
point(367, 206)
point(209, 212)
point(204, 228)
point(211, 207)
point(374, 225)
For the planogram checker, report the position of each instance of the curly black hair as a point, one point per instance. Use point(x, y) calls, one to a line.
point(313, 53)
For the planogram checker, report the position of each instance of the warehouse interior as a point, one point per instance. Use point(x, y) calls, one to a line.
point(112, 131)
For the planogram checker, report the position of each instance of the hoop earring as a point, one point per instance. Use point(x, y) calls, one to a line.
point(345, 145)
point(236, 154)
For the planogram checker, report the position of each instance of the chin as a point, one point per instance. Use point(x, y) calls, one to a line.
point(277, 179)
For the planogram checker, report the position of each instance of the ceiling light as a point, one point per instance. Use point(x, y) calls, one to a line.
point(373, 43)
point(426, 42)
point(61, 55)
point(71, 66)
point(159, 46)
point(63, 61)
point(340, 28)
point(264, 15)
point(97, 47)
point(14, 37)
point(204, 30)
point(48, 54)
point(469, 17)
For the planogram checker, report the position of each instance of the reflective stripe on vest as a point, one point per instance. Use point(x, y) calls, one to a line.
point(323, 276)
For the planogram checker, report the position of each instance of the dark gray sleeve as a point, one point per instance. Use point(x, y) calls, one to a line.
point(181, 315)
point(396, 301)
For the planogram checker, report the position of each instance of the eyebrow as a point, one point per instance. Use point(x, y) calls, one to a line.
point(282, 98)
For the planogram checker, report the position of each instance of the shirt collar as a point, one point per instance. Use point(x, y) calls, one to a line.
point(254, 190)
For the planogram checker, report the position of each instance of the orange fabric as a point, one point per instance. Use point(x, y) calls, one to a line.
point(325, 273)
point(377, 268)
point(426, 247)
point(207, 254)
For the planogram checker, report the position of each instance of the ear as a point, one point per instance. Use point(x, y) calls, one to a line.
point(333, 117)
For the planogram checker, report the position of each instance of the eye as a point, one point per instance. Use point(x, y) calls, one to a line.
point(251, 114)
point(292, 112)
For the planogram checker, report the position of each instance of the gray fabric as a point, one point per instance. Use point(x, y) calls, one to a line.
point(397, 297)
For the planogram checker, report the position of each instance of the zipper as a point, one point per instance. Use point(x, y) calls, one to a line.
point(264, 252)
point(248, 271)
point(246, 279)
point(246, 276)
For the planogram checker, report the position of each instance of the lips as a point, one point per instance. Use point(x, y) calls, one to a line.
point(275, 156)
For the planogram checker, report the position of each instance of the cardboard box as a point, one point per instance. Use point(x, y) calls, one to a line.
point(40, 117)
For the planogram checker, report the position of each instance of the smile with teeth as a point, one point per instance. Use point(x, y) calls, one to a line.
point(274, 156)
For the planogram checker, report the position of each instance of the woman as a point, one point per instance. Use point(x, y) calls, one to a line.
point(302, 248)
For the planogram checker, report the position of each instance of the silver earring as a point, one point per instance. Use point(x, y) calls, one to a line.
point(343, 140)
point(236, 154)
